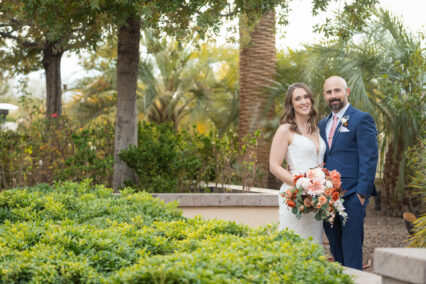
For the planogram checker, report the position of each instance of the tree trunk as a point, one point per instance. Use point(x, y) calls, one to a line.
point(257, 66)
point(52, 69)
point(126, 119)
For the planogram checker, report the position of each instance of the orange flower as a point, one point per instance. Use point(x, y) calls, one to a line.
point(322, 199)
point(288, 193)
point(335, 196)
point(282, 194)
point(319, 205)
point(290, 203)
point(335, 174)
point(327, 191)
point(301, 208)
point(296, 178)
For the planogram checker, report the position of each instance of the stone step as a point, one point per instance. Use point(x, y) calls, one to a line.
point(362, 277)
point(400, 265)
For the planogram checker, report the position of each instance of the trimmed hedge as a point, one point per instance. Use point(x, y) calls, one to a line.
point(70, 233)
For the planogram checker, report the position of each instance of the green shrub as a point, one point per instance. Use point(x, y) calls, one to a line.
point(75, 233)
point(56, 149)
point(166, 160)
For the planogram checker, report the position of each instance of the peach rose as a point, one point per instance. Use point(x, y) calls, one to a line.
point(322, 199)
point(327, 191)
point(316, 186)
point(301, 208)
point(319, 205)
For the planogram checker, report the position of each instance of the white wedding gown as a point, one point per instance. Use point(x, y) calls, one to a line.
point(301, 156)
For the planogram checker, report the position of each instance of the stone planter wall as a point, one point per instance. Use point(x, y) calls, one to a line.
point(249, 208)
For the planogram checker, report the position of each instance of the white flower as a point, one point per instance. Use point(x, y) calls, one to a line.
point(341, 209)
point(328, 184)
point(303, 182)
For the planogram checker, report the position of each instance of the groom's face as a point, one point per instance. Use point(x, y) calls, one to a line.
point(336, 94)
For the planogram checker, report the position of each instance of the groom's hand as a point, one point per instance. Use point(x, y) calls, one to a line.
point(361, 199)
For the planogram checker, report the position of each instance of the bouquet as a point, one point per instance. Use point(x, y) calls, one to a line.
point(319, 191)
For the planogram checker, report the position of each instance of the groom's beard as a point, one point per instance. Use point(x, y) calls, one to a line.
point(335, 106)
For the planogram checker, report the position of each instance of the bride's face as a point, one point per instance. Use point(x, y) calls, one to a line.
point(301, 102)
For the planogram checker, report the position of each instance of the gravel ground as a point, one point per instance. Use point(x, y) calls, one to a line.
point(380, 231)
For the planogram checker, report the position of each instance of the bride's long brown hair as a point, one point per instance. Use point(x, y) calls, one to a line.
point(288, 116)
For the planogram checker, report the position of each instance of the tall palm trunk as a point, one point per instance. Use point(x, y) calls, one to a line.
point(257, 65)
point(52, 67)
point(126, 119)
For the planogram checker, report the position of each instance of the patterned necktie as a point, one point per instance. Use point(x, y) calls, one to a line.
point(333, 128)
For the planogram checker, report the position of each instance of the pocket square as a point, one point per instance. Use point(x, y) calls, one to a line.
point(344, 129)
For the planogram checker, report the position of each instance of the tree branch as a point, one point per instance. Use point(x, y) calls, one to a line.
point(24, 43)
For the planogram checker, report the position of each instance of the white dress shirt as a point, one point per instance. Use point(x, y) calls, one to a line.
point(339, 116)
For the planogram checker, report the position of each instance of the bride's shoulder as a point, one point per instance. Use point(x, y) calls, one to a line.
point(285, 130)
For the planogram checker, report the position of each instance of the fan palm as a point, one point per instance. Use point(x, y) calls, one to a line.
point(179, 83)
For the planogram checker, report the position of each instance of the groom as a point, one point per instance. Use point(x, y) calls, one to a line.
point(352, 150)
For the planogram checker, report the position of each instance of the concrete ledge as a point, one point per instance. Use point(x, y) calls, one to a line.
point(251, 216)
point(362, 277)
point(400, 265)
point(221, 199)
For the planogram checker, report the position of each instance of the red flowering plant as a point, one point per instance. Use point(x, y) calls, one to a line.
point(319, 191)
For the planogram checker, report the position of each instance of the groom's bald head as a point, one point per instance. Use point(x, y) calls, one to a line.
point(336, 79)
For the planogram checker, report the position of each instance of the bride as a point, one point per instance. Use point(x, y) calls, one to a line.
point(298, 141)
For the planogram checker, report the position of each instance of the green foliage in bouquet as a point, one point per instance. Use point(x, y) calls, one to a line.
point(74, 233)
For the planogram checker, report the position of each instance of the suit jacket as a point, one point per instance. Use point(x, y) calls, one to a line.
point(353, 152)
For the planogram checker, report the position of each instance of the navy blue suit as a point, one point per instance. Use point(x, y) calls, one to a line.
point(354, 154)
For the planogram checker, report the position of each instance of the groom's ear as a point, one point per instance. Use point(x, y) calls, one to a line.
point(348, 90)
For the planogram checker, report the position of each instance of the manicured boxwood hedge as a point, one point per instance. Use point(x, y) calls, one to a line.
point(71, 233)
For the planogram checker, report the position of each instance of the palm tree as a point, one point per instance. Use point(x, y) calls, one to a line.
point(257, 69)
point(179, 83)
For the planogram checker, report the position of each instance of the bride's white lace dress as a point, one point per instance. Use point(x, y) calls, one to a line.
point(301, 156)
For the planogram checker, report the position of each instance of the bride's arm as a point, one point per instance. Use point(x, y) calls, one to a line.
point(282, 139)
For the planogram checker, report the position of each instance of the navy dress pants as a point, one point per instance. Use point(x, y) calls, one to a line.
point(346, 240)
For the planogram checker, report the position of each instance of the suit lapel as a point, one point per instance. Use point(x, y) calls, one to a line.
point(323, 132)
point(337, 132)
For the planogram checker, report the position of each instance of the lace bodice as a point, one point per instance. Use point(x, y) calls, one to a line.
point(302, 154)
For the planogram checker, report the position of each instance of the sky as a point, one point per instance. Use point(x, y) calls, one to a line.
point(294, 35)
